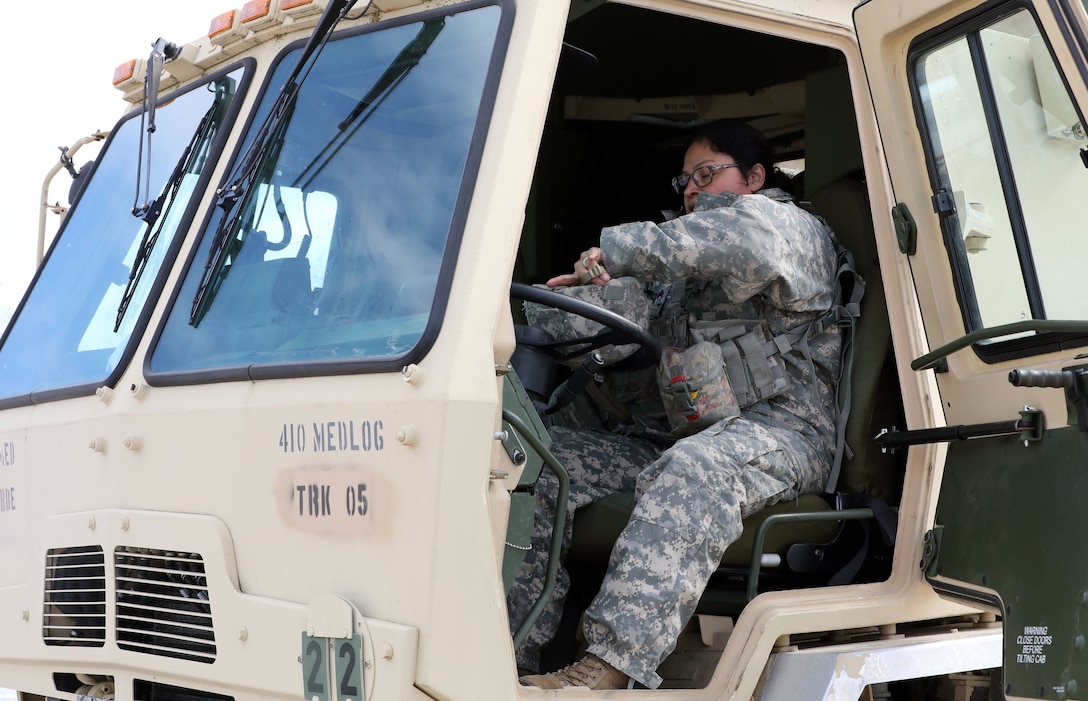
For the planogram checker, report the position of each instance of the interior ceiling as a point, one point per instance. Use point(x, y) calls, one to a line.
point(645, 54)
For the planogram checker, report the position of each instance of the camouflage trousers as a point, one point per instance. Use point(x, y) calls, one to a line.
point(599, 463)
point(690, 502)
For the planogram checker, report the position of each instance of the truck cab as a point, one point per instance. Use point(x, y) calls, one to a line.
point(269, 410)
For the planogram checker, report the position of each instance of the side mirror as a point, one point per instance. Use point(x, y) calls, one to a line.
point(79, 181)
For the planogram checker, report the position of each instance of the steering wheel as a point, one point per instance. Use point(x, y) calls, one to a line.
point(617, 329)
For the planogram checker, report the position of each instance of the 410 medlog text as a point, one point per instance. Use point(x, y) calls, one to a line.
point(333, 436)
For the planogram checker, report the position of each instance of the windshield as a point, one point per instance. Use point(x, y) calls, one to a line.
point(335, 252)
point(76, 321)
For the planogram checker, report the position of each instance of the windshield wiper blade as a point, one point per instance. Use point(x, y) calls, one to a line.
point(229, 235)
point(408, 58)
point(191, 161)
point(259, 157)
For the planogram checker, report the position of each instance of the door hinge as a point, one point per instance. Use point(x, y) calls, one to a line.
point(906, 232)
point(931, 551)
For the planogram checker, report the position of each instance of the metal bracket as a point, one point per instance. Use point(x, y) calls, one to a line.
point(943, 203)
point(1034, 425)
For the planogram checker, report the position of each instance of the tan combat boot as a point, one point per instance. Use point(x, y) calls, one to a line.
point(589, 672)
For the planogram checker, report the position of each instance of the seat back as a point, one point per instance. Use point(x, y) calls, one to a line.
point(874, 389)
point(835, 189)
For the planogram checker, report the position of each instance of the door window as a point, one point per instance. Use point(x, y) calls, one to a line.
point(1005, 145)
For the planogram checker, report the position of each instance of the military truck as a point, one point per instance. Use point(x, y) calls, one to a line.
point(269, 419)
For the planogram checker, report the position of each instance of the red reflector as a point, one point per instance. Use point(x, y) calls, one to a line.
point(124, 71)
point(222, 23)
point(288, 4)
point(254, 9)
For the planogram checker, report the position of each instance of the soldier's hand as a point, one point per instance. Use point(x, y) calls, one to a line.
point(588, 268)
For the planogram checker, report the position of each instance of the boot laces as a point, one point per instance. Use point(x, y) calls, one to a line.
point(584, 672)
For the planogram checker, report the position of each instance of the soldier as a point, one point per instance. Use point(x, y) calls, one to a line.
point(750, 266)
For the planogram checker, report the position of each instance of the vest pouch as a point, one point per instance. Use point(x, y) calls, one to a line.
point(695, 388)
point(753, 358)
point(754, 364)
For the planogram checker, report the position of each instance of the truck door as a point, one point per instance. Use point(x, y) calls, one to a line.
point(981, 110)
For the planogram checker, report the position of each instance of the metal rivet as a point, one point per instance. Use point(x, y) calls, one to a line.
point(406, 435)
point(412, 374)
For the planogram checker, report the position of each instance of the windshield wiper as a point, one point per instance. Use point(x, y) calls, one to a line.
point(398, 70)
point(260, 157)
point(191, 161)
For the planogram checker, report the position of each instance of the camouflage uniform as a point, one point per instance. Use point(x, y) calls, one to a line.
point(743, 257)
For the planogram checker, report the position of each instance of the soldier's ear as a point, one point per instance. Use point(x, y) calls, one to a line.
point(757, 176)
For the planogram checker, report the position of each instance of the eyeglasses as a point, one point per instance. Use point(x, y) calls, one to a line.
point(701, 175)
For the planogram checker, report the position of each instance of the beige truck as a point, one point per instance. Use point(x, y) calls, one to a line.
point(263, 431)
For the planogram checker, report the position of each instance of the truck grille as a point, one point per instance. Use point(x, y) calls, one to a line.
point(75, 597)
point(163, 605)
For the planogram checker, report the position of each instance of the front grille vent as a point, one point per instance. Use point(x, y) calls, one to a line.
point(74, 611)
point(163, 606)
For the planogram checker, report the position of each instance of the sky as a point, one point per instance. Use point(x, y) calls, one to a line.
point(60, 89)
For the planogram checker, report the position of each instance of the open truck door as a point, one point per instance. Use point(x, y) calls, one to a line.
point(980, 107)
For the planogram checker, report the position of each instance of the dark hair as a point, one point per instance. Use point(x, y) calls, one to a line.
point(743, 142)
